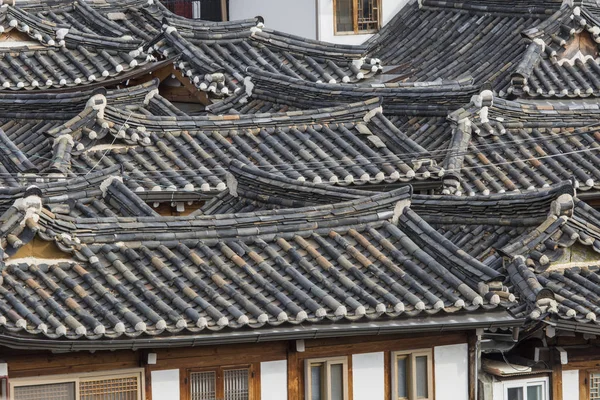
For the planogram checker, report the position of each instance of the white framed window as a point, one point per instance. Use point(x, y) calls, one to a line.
point(527, 389)
point(412, 375)
point(122, 385)
point(326, 378)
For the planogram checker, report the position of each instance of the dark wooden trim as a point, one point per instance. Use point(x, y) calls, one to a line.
point(472, 350)
point(293, 372)
point(556, 379)
point(224, 16)
point(583, 385)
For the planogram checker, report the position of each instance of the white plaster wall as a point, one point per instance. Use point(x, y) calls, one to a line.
point(389, 8)
point(451, 372)
point(570, 381)
point(165, 384)
point(368, 376)
point(273, 380)
point(297, 17)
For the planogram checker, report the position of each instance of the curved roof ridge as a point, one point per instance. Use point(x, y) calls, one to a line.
point(510, 209)
point(245, 226)
point(337, 113)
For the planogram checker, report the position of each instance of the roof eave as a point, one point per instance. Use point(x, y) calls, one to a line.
point(494, 319)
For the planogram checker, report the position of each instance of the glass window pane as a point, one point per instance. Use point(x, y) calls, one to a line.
point(515, 393)
point(343, 15)
point(54, 391)
point(402, 368)
point(421, 370)
point(337, 382)
point(236, 384)
point(534, 392)
point(316, 382)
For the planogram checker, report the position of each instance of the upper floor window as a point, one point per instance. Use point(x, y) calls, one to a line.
point(412, 375)
point(123, 385)
point(357, 16)
point(326, 378)
point(222, 383)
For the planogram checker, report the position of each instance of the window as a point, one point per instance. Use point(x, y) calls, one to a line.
point(326, 379)
point(594, 386)
point(412, 375)
point(125, 385)
point(534, 389)
point(228, 383)
point(356, 16)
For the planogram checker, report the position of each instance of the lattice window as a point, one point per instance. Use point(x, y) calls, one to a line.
point(357, 16)
point(126, 388)
point(595, 386)
point(54, 391)
point(236, 384)
point(203, 385)
point(231, 383)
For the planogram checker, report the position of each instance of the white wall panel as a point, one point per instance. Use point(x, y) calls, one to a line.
point(570, 381)
point(273, 380)
point(451, 372)
point(298, 17)
point(165, 384)
point(368, 376)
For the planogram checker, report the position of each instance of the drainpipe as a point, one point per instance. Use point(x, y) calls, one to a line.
point(317, 19)
point(479, 333)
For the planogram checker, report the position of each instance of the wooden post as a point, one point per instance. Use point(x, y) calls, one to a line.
point(557, 390)
point(472, 349)
point(293, 373)
point(224, 16)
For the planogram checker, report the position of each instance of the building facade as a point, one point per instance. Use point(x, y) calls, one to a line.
point(334, 21)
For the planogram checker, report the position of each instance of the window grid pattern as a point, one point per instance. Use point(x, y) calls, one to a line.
point(203, 385)
point(236, 384)
point(125, 388)
point(595, 386)
point(54, 391)
point(368, 15)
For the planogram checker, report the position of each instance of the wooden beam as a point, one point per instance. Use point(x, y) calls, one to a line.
point(224, 16)
point(583, 385)
point(293, 372)
point(557, 392)
point(472, 346)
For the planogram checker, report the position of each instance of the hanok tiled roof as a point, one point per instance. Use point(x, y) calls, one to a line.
point(57, 55)
point(254, 189)
point(280, 92)
point(430, 39)
point(127, 277)
point(546, 242)
point(559, 275)
point(98, 37)
point(562, 59)
point(29, 154)
point(350, 144)
point(500, 146)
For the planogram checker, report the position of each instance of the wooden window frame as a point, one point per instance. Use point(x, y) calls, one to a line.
point(356, 31)
point(327, 361)
point(412, 382)
point(253, 380)
point(78, 378)
point(524, 383)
